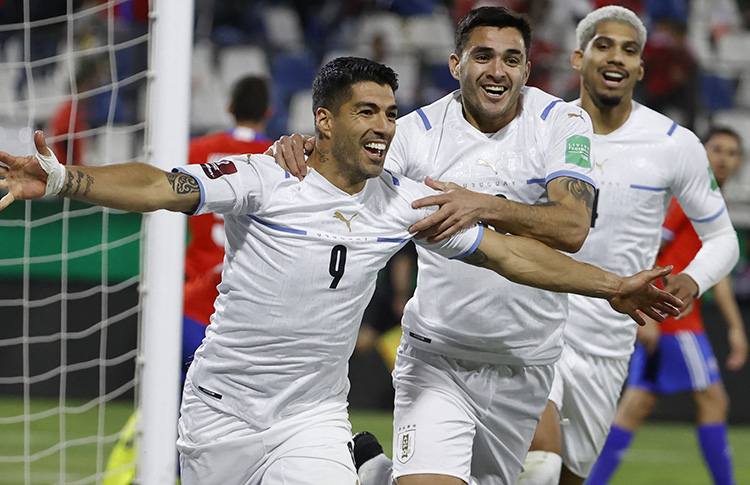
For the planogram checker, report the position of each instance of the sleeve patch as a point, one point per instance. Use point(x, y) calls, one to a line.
point(215, 170)
point(578, 151)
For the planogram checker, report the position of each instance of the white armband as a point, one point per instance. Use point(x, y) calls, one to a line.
point(55, 172)
point(717, 256)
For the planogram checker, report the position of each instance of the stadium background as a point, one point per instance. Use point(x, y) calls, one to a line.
point(699, 74)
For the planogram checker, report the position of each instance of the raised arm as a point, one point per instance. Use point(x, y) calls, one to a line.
point(561, 223)
point(530, 262)
point(135, 187)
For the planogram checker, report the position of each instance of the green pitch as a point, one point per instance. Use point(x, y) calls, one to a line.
point(662, 454)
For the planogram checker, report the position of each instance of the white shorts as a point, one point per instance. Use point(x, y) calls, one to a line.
point(465, 419)
point(217, 448)
point(585, 390)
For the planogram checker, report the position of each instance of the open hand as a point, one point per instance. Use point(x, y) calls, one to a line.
point(290, 152)
point(23, 176)
point(683, 287)
point(637, 293)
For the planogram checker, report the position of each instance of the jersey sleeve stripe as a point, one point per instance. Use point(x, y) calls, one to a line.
point(549, 107)
point(480, 235)
point(710, 218)
point(200, 185)
point(534, 181)
point(427, 125)
point(671, 130)
point(571, 174)
point(278, 228)
point(392, 239)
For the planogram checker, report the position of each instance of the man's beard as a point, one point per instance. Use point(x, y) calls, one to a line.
point(607, 101)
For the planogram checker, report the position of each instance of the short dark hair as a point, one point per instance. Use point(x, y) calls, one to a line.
point(250, 99)
point(332, 86)
point(499, 17)
point(723, 130)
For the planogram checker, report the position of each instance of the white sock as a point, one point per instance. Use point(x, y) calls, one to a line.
point(541, 468)
point(377, 470)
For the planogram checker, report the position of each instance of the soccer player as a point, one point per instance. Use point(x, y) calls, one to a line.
point(676, 356)
point(475, 365)
point(265, 398)
point(643, 159)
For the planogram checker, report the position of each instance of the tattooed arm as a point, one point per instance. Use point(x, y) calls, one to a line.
point(529, 262)
point(561, 223)
point(133, 187)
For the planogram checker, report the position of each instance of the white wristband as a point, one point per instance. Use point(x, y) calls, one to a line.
point(55, 172)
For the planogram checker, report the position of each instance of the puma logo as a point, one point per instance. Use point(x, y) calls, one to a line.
point(574, 115)
point(339, 216)
point(484, 163)
point(600, 166)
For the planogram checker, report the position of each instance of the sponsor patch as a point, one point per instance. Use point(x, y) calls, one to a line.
point(215, 170)
point(578, 151)
point(405, 440)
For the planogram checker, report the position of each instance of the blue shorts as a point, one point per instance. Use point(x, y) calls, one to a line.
point(683, 362)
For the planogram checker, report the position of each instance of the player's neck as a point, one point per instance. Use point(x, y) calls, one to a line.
point(323, 161)
point(607, 119)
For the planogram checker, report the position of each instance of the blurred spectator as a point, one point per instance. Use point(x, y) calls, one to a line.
point(670, 83)
point(70, 120)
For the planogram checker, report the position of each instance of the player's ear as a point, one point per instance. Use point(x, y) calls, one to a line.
point(324, 122)
point(576, 59)
point(453, 65)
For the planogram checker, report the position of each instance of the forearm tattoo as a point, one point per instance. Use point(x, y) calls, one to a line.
point(183, 184)
point(75, 181)
point(476, 258)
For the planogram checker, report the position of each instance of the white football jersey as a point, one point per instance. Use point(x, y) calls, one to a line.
point(301, 263)
point(469, 312)
point(638, 169)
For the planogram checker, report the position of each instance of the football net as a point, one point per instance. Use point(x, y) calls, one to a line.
point(73, 282)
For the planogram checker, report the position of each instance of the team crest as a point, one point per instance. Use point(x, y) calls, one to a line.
point(406, 443)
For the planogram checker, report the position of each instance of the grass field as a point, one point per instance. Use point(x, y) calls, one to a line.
point(662, 454)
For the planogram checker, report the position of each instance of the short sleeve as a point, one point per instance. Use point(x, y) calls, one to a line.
point(569, 150)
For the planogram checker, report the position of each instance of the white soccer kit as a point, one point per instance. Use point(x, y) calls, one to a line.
point(638, 169)
point(470, 313)
point(301, 264)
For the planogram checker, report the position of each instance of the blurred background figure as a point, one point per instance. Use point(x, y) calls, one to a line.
point(676, 356)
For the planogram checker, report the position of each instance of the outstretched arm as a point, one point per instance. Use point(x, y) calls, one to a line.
point(530, 262)
point(133, 187)
point(562, 223)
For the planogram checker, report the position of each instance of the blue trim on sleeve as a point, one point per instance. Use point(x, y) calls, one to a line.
point(395, 180)
point(549, 107)
point(392, 239)
point(571, 174)
point(473, 246)
point(710, 218)
point(671, 130)
point(200, 185)
point(646, 187)
point(278, 228)
point(427, 125)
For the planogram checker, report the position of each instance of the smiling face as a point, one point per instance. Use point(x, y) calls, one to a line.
point(358, 135)
point(491, 69)
point(610, 65)
point(725, 156)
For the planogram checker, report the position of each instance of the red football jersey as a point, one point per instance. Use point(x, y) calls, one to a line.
point(205, 249)
point(680, 250)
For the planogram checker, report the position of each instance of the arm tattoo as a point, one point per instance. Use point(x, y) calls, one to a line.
point(74, 183)
point(581, 191)
point(477, 258)
point(183, 184)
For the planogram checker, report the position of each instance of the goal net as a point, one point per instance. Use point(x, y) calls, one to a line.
point(78, 299)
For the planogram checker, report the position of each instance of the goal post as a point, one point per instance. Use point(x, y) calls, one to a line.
point(169, 104)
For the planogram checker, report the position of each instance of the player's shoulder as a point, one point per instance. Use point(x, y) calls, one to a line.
point(429, 117)
point(546, 108)
point(404, 187)
point(661, 126)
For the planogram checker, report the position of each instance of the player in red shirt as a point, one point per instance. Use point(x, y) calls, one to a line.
point(676, 356)
point(250, 107)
